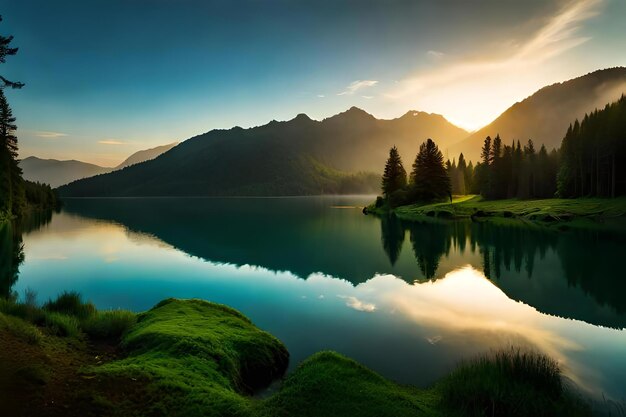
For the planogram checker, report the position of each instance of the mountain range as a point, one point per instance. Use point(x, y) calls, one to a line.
point(296, 157)
point(344, 153)
point(57, 173)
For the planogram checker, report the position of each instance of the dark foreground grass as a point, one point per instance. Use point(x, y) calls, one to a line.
point(195, 358)
point(510, 383)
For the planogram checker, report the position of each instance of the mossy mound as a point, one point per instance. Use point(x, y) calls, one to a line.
point(198, 358)
point(328, 384)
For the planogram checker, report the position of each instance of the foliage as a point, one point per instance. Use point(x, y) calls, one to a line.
point(509, 383)
point(593, 161)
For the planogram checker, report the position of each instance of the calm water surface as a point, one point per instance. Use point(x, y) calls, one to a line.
point(407, 300)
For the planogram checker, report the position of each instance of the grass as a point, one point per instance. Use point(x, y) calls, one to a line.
point(71, 304)
point(20, 329)
point(581, 213)
point(108, 325)
point(329, 384)
point(509, 383)
point(195, 358)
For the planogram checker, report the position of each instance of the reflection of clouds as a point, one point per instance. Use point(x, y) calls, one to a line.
point(434, 340)
point(465, 307)
point(357, 304)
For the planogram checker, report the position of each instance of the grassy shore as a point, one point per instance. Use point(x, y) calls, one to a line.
point(582, 213)
point(195, 358)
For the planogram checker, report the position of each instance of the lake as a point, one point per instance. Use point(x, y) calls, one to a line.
point(409, 300)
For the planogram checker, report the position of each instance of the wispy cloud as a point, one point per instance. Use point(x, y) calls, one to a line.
point(49, 135)
point(112, 142)
point(435, 54)
point(321, 96)
point(368, 97)
point(492, 75)
point(356, 86)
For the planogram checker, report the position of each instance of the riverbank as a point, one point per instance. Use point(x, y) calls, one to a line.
point(191, 357)
point(559, 214)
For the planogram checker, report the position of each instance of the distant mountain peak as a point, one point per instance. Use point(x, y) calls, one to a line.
point(301, 117)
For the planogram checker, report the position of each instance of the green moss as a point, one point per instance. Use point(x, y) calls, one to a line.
point(328, 384)
point(200, 357)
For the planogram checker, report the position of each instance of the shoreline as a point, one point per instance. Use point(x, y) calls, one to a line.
point(200, 358)
point(594, 214)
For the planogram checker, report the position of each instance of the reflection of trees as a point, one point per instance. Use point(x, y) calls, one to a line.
point(510, 248)
point(430, 241)
point(12, 248)
point(392, 235)
point(11, 256)
point(596, 266)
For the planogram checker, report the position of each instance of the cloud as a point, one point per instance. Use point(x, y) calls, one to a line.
point(357, 304)
point(356, 86)
point(490, 76)
point(435, 54)
point(321, 96)
point(112, 142)
point(49, 135)
point(368, 97)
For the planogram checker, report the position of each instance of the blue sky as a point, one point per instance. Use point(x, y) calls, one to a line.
point(107, 78)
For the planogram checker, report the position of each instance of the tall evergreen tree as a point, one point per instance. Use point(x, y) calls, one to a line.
point(12, 196)
point(429, 178)
point(394, 177)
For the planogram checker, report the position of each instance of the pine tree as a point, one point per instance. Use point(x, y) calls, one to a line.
point(394, 177)
point(12, 196)
point(429, 178)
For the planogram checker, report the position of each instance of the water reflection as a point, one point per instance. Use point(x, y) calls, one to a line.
point(322, 278)
point(574, 274)
point(12, 248)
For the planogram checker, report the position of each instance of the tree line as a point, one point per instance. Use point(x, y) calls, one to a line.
point(16, 194)
point(590, 163)
point(593, 154)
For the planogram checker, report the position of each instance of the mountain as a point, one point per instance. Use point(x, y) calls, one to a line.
point(146, 155)
point(296, 157)
point(57, 173)
point(545, 115)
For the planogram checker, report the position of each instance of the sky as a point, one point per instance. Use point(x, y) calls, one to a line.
point(107, 78)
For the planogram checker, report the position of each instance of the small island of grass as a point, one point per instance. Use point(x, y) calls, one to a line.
point(196, 358)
